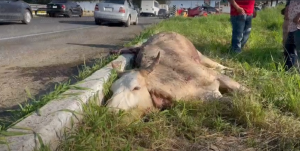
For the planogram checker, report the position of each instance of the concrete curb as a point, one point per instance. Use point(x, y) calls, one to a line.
point(54, 118)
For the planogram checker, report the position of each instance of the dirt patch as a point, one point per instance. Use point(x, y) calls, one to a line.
point(225, 143)
point(38, 80)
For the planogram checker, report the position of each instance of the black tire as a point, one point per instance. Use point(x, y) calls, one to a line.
point(27, 17)
point(127, 23)
point(52, 15)
point(136, 21)
point(69, 13)
point(97, 22)
point(81, 13)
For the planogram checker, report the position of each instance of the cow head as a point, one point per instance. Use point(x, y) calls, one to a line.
point(130, 90)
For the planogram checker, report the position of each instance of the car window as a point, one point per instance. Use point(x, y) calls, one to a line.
point(114, 1)
point(132, 6)
point(156, 4)
point(129, 3)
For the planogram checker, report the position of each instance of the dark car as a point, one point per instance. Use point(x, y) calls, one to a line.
point(163, 13)
point(210, 10)
point(196, 12)
point(15, 10)
point(64, 7)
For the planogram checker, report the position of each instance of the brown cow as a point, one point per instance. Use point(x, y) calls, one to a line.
point(168, 68)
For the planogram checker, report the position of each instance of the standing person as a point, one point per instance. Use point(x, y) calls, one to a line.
point(241, 14)
point(292, 42)
point(285, 25)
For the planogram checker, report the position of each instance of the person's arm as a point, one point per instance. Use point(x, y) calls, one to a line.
point(297, 19)
point(237, 7)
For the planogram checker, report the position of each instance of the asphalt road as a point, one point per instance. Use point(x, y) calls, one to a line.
point(48, 50)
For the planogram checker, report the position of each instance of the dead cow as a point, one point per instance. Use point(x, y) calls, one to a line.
point(168, 68)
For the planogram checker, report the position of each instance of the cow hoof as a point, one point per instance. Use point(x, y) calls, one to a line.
point(114, 52)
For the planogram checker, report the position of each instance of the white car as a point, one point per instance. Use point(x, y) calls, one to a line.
point(116, 11)
point(149, 7)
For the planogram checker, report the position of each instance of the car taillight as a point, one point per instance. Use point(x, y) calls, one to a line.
point(63, 6)
point(122, 10)
point(96, 8)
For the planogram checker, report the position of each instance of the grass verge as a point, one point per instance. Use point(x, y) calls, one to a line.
point(266, 119)
point(34, 104)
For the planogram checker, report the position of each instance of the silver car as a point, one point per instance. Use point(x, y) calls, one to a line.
point(116, 11)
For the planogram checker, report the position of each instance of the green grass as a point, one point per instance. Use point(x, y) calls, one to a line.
point(265, 119)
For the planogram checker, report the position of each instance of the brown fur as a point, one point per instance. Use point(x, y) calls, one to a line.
point(182, 72)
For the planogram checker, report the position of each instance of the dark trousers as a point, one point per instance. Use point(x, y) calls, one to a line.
point(292, 48)
point(241, 28)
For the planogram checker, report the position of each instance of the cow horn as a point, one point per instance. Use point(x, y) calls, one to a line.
point(114, 66)
point(151, 67)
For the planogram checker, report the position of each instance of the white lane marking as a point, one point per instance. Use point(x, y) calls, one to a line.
point(45, 33)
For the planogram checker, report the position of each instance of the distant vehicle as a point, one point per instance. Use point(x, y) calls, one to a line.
point(149, 7)
point(116, 11)
point(137, 9)
point(163, 13)
point(257, 8)
point(210, 10)
point(15, 10)
point(164, 6)
point(197, 12)
point(67, 8)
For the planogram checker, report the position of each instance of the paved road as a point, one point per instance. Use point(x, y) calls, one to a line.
point(48, 50)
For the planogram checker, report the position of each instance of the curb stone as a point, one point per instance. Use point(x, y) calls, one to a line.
point(52, 121)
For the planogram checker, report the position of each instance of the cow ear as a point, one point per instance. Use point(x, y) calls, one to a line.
point(151, 67)
point(115, 67)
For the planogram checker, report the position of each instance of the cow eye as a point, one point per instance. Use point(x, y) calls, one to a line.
point(136, 88)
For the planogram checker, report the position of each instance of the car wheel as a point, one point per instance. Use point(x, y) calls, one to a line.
point(27, 17)
point(69, 14)
point(127, 24)
point(97, 22)
point(136, 21)
point(81, 14)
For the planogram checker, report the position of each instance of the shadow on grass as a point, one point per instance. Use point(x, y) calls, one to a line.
point(256, 57)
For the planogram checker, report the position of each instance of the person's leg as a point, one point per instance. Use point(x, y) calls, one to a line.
point(238, 25)
point(289, 51)
point(247, 30)
point(297, 47)
point(284, 31)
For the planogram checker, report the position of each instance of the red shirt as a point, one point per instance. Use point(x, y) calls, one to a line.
point(247, 5)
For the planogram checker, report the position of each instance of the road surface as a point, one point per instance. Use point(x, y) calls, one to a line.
point(48, 50)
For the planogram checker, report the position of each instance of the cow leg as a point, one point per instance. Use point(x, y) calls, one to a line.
point(131, 50)
point(212, 64)
point(229, 85)
point(210, 92)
